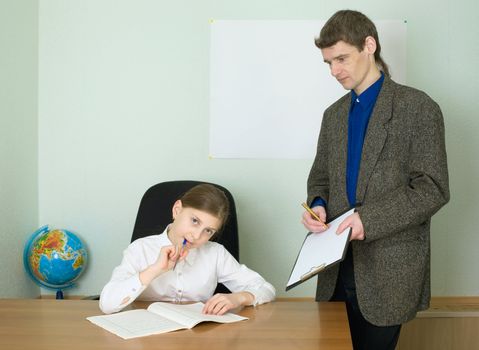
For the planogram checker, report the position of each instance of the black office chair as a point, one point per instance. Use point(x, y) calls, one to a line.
point(154, 214)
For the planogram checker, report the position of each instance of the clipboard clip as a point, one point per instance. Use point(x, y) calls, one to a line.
point(314, 270)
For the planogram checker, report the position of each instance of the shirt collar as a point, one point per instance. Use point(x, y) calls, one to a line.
point(368, 96)
point(164, 241)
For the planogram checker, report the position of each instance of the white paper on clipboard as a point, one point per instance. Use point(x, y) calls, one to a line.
point(319, 251)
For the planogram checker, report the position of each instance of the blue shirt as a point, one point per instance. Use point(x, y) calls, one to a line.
point(359, 114)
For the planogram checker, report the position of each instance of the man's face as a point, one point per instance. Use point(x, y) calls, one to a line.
point(349, 66)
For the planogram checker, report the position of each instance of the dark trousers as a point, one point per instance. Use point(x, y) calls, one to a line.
point(365, 335)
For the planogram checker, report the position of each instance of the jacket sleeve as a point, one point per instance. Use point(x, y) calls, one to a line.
point(318, 179)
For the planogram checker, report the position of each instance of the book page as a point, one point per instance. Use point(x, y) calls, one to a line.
point(158, 318)
point(190, 314)
point(135, 323)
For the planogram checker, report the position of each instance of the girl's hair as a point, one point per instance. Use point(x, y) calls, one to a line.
point(353, 28)
point(208, 198)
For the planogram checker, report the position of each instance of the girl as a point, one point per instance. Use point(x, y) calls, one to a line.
point(181, 264)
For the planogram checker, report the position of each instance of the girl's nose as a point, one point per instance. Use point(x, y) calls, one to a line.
point(197, 233)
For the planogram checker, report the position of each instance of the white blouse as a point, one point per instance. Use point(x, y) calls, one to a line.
point(193, 279)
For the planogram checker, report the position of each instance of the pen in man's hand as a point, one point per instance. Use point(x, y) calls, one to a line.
point(181, 251)
point(313, 214)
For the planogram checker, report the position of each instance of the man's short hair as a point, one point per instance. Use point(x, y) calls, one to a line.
point(353, 28)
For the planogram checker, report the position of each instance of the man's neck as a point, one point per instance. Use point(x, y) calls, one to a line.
point(370, 79)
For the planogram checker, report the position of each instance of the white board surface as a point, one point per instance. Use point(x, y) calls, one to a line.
point(269, 85)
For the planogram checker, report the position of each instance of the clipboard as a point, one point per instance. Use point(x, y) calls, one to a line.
point(320, 251)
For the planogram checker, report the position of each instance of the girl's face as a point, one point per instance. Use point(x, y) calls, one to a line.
point(194, 225)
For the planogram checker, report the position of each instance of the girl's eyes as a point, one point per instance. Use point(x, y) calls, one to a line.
point(210, 232)
point(196, 221)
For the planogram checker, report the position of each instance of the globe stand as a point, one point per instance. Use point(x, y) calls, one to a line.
point(59, 294)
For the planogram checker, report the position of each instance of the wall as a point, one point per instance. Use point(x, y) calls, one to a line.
point(18, 142)
point(123, 104)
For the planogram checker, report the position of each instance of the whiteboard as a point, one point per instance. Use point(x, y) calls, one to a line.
point(269, 85)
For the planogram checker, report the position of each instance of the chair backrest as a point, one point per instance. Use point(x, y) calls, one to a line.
point(154, 213)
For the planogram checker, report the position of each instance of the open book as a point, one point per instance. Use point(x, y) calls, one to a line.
point(158, 318)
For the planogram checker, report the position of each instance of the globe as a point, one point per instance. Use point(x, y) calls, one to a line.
point(54, 259)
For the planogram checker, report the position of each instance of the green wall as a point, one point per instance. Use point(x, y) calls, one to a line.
point(123, 104)
point(18, 141)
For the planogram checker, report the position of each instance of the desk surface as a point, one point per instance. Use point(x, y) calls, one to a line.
point(60, 324)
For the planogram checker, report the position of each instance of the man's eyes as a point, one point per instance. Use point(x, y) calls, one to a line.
point(340, 59)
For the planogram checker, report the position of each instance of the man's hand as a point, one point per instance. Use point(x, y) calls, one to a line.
point(219, 304)
point(354, 222)
point(313, 225)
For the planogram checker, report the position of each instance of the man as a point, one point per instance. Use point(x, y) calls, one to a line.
point(381, 149)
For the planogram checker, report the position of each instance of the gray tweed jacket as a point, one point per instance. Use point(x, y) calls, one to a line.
point(403, 181)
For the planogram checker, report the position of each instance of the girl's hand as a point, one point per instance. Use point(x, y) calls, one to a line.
point(219, 304)
point(166, 260)
point(168, 257)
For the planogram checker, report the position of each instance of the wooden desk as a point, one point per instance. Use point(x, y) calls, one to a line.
point(60, 324)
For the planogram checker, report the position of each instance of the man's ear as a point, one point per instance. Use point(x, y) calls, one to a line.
point(370, 45)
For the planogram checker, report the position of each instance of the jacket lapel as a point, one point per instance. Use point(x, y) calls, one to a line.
point(376, 136)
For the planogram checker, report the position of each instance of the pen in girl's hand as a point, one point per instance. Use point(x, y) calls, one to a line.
point(313, 214)
point(181, 251)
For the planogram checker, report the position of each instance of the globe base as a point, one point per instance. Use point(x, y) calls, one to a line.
point(59, 294)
